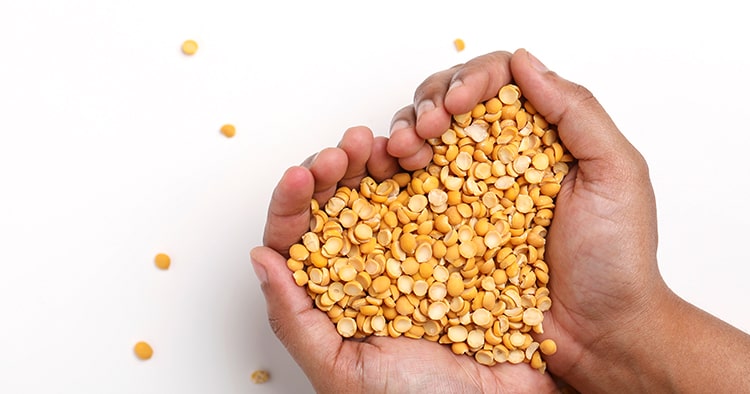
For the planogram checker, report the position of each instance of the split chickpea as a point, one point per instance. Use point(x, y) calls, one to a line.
point(189, 47)
point(162, 261)
point(228, 130)
point(459, 44)
point(453, 253)
point(143, 350)
point(260, 376)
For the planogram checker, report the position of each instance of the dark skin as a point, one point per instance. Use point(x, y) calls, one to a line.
point(611, 308)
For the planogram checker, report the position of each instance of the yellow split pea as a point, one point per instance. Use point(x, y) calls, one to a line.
point(162, 261)
point(143, 350)
point(260, 376)
point(459, 43)
point(189, 47)
point(228, 130)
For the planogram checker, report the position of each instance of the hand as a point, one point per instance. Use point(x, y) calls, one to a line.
point(375, 364)
point(611, 309)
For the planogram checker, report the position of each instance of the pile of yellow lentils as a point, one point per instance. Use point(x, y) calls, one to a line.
point(452, 253)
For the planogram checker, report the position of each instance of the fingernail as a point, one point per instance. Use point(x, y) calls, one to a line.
point(398, 125)
point(310, 160)
point(425, 106)
point(455, 84)
point(538, 66)
point(260, 272)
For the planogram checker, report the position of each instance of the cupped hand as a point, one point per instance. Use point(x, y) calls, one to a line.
point(601, 246)
point(374, 364)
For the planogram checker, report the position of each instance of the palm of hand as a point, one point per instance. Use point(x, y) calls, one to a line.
point(587, 257)
point(384, 364)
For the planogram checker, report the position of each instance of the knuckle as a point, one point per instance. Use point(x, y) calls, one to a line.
point(434, 85)
point(405, 113)
point(574, 99)
point(583, 96)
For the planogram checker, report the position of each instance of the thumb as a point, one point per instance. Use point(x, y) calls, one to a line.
point(289, 209)
point(307, 333)
point(583, 125)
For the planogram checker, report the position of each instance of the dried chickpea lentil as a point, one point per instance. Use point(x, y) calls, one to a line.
point(260, 376)
point(162, 261)
point(452, 253)
point(548, 347)
point(228, 130)
point(143, 350)
point(189, 47)
point(459, 44)
point(347, 327)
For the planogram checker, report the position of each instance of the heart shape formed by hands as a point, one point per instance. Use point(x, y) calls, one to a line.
point(452, 253)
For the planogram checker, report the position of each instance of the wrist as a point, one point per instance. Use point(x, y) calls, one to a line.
point(634, 354)
point(670, 346)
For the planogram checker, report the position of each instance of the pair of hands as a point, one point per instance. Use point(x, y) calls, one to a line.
point(601, 245)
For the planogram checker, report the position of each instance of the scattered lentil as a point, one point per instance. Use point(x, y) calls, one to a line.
point(162, 261)
point(228, 130)
point(143, 350)
point(189, 47)
point(459, 43)
point(260, 376)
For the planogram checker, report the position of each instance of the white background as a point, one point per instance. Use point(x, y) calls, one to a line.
point(110, 152)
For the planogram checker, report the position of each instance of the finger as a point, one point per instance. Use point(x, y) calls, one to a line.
point(584, 126)
point(357, 144)
point(306, 333)
point(328, 168)
point(458, 90)
point(476, 81)
point(289, 209)
point(432, 119)
point(418, 160)
point(411, 150)
point(381, 165)
point(404, 141)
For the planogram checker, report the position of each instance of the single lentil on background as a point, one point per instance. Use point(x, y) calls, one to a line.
point(143, 350)
point(162, 261)
point(459, 44)
point(452, 253)
point(260, 376)
point(189, 47)
point(228, 130)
